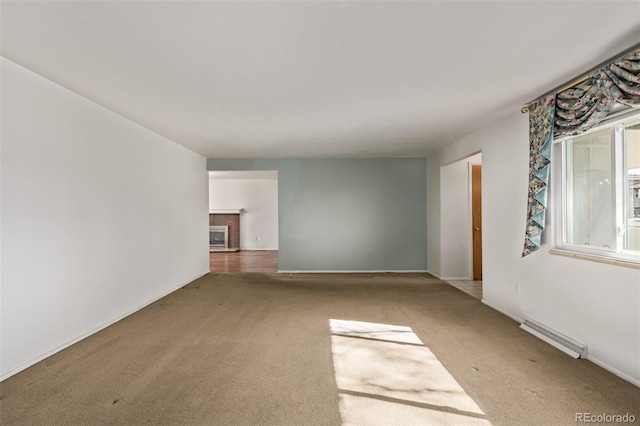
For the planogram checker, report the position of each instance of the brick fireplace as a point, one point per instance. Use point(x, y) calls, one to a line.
point(230, 219)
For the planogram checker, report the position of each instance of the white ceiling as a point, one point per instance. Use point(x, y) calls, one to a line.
point(314, 79)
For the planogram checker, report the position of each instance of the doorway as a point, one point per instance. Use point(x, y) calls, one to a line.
point(476, 220)
point(250, 199)
point(461, 224)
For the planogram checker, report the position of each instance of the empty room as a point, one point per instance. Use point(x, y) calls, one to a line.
point(418, 212)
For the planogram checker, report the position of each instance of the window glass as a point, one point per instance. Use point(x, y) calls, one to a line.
point(631, 240)
point(589, 192)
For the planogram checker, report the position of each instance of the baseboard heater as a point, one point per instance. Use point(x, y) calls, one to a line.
point(560, 341)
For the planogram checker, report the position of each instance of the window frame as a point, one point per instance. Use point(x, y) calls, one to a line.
point(559, 192)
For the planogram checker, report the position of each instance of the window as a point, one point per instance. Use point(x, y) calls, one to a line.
point(598, 200)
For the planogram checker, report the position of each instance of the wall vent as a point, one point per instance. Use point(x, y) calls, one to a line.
point(560, 341)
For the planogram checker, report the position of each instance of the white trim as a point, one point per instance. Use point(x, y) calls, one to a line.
point(591, 358)
point(259, 249)
point(618, 185)
point(613, 370)
point(470, 217)
point(437, 276)
point(225, 211)
point(353, 271)
point(610, 260)
point(615, 255)
point(503, 312)
point(457, 279)
point(99, 328)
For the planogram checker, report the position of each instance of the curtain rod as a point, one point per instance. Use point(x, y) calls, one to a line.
point(583, 77)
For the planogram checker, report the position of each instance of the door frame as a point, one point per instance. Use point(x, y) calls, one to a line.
point(471, 251)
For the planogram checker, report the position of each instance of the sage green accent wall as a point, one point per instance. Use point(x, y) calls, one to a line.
point(347, 214)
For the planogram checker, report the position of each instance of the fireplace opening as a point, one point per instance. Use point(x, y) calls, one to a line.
point(218, 238)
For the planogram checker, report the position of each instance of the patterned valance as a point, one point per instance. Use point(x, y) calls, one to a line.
point(571, 112)
point(582, 107)
point(624, 80)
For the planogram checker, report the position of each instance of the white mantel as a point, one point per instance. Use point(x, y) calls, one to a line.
point(225, 211)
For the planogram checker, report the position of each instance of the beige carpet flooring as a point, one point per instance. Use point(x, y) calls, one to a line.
point(256, 349)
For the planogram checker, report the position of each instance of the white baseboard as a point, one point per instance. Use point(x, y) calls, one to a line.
point(612, 370)
point(355, 271)
point(594, 360)
point(456, 278)
point(439, 277)
point(94, 331)
point(503, 312)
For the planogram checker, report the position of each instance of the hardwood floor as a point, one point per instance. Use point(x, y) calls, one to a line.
point(244, 261)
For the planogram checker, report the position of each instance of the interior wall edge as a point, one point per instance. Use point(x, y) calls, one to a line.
point(94, 331)
point(613, 370)
point(87, 166)
point(98, 103)
point(502, 311)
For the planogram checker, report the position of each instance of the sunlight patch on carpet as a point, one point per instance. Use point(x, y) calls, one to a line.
point(385, 375)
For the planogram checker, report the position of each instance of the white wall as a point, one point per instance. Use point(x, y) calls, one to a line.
point(100, 216)
point(455, 199)
point(594, 303)
point(434, 216)
point(259, 199)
